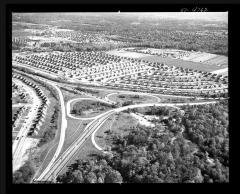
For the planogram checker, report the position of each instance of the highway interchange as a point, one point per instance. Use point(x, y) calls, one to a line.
point(60, 161)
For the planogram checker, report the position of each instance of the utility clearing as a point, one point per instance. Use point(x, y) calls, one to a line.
point(142, 120)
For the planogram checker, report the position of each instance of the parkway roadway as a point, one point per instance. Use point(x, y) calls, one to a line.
point(57, 165)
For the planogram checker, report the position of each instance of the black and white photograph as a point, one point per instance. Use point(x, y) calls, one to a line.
point(119, 97)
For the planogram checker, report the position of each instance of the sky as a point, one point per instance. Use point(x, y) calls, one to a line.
point(210, 16)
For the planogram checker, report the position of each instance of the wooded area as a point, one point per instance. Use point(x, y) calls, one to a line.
point(146, 155)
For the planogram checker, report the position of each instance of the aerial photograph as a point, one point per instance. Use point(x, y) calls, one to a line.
point(120, 97)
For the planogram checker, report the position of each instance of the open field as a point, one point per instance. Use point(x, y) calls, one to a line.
point(21, 33)
point(198, 57)
point(117, 123)
point(223, 72)
point(46, 156)
point(100, 134)
point(70, 95)
point(123, 53)
point(134, 99)
point(74, 130)
point(217, 60)
point(182, 63)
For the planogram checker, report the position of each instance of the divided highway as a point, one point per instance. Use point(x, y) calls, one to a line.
point(62, 134)
point(90, 129)
point(59, 162)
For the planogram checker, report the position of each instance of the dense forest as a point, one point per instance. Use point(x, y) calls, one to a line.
point(193, 150)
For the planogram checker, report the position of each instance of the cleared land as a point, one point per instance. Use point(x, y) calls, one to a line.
point(223, 72)
point(183, 64)
point(117, 124)
point(123, 53)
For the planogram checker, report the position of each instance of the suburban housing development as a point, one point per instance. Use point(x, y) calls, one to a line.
point(119, 98)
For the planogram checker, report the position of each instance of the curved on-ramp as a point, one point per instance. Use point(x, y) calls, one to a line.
point(91, 129)
point(130, 93)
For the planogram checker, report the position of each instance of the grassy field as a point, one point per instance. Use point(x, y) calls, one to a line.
point(117, 124)
point(21, 33)
point(70, 95)
point(136, 99)
point(74, 130)
point(103, 93)
point(183, 64)
point(100, 134)
point(46, 156)
point(123, 53)
point(123, 121)
point(48, 150)
point(89, 108)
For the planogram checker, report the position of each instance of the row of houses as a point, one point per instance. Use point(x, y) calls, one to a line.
point(41, 109)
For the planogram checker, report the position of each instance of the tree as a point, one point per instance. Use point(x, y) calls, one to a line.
point(113, 177)
point(23, 174)
point(18, 177)
point(90, 178)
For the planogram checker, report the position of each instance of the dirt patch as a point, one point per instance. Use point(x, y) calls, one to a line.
point(123, 53)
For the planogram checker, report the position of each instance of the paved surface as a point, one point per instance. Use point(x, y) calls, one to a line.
point(20, 105)
point(18, 144)
point(62, 134)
